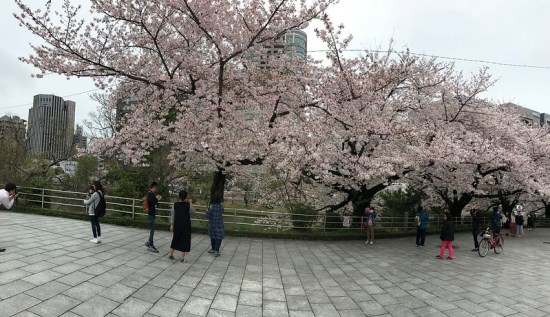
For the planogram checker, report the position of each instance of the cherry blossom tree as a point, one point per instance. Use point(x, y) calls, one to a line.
point(193, 66)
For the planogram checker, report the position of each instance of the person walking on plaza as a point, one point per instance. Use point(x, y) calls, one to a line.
point(519, 224)
point(495, 221)
point(180, 225)
point(447, 236)
point(152, 201)
point(534, 221)
point(370, 222)
point(216, 230)
point(423, 218)
point(7, 198)
point(476, 227)
point(94, 196)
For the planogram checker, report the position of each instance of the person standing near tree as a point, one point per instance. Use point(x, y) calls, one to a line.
point(7, 198)
point(519, 224)
point(94, 196)
point(180, 225)
point(447, 237)
point(216, 229)
point(423, 219)
point(476, 227)
point(370, 221)
point(152, 201)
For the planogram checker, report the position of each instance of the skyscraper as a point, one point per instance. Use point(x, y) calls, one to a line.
point(51, 127)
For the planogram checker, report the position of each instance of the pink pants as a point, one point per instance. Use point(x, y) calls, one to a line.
point(445, 245)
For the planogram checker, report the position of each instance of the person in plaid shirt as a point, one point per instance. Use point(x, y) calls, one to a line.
point(216, 230)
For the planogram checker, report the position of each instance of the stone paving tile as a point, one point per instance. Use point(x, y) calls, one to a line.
point(17, 304)
point(48, 290)
point(96, 306)
point(55, 306)
point(132, 307)
point(166, 307)
point(13, 288)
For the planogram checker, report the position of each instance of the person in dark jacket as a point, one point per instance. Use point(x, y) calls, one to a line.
point(476, 227)
point(216, 230)
point(519, 224)
point(180, 225)
point(447, 236)
point(495, 221)
point(152, 201)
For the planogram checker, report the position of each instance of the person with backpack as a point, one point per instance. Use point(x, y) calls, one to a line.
point(7, 198)
point(370, 222)
point(180, 225)
point(150, 206)
point(95, 205)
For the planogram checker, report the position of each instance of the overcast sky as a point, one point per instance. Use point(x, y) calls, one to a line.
point(513, 32)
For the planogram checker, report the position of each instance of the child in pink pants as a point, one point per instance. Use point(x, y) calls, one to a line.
point(447, 236)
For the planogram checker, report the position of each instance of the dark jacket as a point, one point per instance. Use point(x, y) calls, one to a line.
point(447, 231)
point(495, 221)
point(152, 201)
point(519, 220)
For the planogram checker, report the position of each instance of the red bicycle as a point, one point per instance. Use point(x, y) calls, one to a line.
point(490, 241)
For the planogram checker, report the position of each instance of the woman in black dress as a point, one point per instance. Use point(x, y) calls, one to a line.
point(181, 226)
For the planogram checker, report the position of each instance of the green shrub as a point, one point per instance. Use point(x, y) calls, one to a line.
point(303, 216)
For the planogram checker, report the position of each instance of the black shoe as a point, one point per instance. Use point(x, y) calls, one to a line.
point(171, 257)
point(2, 250)
point(474, 250)
point(182, 260)
point(153, 249)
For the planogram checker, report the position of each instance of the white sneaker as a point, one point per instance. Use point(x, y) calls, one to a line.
point(367, 242)
point(94, 240)
point(98, 239)
point(371, 242)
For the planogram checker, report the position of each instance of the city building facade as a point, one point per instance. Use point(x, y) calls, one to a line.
point(13, 127)
point(51, 127)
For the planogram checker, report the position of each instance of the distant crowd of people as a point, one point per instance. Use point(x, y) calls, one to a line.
point(512, 221)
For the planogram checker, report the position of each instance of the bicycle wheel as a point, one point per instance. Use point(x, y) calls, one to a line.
point(501, 240)
point(483, 247)
point(498, 245)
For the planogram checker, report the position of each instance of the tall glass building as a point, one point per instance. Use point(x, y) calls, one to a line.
point(51, 127)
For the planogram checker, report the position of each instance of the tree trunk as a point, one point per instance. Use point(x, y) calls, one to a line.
point(218, 184)
point(456, 203)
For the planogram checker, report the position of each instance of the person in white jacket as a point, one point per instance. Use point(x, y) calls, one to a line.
point(7, 198)
point(93, 200)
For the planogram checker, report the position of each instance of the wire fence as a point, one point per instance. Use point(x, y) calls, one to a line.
point(236, 219)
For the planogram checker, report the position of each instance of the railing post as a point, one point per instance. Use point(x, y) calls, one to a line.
point(43, 198)
point(133, 208)
point(325, 225)
point(234, 219)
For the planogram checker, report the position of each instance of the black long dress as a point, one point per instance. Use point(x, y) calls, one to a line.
point(181, 240)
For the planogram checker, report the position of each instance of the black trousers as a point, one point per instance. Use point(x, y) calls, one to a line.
point(96, 229)
point(420, 236)
point(475, 234)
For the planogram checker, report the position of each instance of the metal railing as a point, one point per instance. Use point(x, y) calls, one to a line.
point(235, 219)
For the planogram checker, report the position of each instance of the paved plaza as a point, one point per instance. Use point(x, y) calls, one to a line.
point(50, 269)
